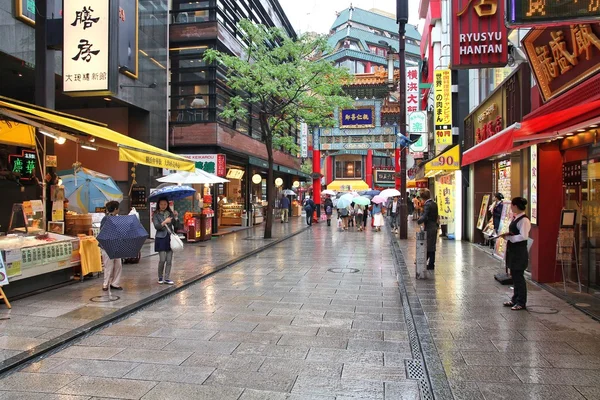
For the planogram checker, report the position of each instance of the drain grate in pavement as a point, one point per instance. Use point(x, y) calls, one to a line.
point(343, 270)
point(104, 299)
point(415, 370)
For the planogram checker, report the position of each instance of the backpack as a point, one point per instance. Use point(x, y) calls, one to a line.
point(344, 212)
point(359, 211)
point(328, 209)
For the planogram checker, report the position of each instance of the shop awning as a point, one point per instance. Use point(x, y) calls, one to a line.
point(17, 134)
point(414, 183)
point(130, 149)
point(501, 142)
point(339, 185)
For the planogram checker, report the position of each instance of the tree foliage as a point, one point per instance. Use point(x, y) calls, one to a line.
point(281, 78)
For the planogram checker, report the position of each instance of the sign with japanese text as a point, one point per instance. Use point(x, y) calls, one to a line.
point(25, 10)
point(360, 117)
point(128, 37)
point(138, 198)
point(417, 125)
point(384, 176)
point(479, 36)
point(86, 46)
point(448, 161)
point(304, 140)
point(562, 57)
point(483, 211)
point(153, 160)
point(445, 200)
point(488, 119)
point(443, 107)
point(528, 13)
point(23, 164)
point(412, 90)
point(211, 163)
point(533, 182)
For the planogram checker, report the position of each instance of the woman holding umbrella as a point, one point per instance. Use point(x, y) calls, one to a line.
point(377, 212)
point(112, 267)
point(165, 221)
point(328, 204)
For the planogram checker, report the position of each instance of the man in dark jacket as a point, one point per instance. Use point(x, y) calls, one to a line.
point(429, 220)
point(393, 209)
point(284, 205)
point(309, 208)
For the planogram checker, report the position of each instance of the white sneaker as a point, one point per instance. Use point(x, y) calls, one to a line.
point(160, 282)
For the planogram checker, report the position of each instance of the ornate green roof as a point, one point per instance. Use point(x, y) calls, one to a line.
point(374, 20)
point(366, 37)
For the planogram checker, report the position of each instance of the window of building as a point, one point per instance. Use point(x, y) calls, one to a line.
point(348, 169)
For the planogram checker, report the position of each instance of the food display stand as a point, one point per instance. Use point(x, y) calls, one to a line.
point(257, 213)
point(193, 227)
point(232, 214)
point(206, 224)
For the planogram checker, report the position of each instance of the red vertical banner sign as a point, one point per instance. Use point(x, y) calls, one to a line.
point(479, 36)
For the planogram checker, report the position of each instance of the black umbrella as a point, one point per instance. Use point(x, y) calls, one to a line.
point(122, 236)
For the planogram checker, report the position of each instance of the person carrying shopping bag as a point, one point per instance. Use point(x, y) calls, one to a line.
point(166, 223)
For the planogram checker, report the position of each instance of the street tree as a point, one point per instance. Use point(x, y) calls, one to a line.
point(281, 82)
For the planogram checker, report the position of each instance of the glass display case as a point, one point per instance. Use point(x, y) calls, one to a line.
point(27, 218)
point(257, 213)
point(232, 214)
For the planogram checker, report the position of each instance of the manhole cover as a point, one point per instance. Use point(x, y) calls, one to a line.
point(104, 299)
point(542, 310)
point(343, 270)
point(582, 305)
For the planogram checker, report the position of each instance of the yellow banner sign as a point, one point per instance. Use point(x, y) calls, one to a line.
point(445, 198)
point(447, 161)
point(154, 160)
point(442, 86)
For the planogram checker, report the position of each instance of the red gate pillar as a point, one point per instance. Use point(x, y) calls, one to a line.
point(397, 168)
point(317, 183)
point(369, 168)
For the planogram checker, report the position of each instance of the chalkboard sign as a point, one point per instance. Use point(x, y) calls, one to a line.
point(138, 198)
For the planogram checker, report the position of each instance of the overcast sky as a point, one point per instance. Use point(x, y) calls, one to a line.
point(319, 15)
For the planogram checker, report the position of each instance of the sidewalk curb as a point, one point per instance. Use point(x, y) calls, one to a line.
point(20, 359)
point(434, 384)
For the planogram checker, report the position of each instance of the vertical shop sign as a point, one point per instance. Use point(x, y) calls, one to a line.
point(445, 200)
point(443, 108)
point(417, 125)
point(412, 90)
point(221, 165)
point(128, 37)
point(533, 179)
point(304, 140)
point(86, 46)
point(479, 36)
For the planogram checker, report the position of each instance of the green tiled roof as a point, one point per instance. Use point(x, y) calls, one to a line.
point(360, 55)
point(374, 20)
point(365, 37)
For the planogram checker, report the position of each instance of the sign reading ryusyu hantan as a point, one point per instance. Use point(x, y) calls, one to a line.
point(360, 117)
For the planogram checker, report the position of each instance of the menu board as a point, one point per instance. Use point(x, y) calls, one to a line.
point(483, 211)
point(504, 185)
point(138, 198)
point(46, 254)
point(505, 220)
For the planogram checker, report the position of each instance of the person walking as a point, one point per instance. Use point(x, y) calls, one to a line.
point(309, 208)
point(365, 216)
point(430, 221)
point(377, 215)
point(393, 210)
point(417, 204)
point(344, 214)
point(359, 213)
point(166, 223)
point(517, 256)
point(284, 205)
point(112, 267)
point(328, 204)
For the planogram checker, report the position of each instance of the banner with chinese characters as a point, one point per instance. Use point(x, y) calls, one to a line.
point(412, 90)
point(561, 57)
point(304, 140)
point(533, 179)
point(361, 117)
point(445, 200)
point(154, 160)
point(442, 86)
point(417, 125)
point(23, 164)
point(86, 29)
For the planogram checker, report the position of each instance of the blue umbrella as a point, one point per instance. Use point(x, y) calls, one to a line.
point(172, 193)
point(371, 193)
point(343, 202)
point(87, 190)
point(122, 236)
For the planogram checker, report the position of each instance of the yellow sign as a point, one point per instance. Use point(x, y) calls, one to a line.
point(483, 8)
point(445, 198)
point(154, 160)
point(443, 107)
point(447, 161)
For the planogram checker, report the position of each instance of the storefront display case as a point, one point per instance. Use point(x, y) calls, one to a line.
point(232, 214)
point(258, 213)
point(27, 218)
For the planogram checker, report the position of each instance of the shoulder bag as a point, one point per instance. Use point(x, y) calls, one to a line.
point(175, 241)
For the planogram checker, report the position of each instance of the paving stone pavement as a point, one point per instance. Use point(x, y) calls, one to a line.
point(278, 325)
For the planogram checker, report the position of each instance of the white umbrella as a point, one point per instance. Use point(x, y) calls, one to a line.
point(189, 178)
point(327, 191)
point(289, 192)
point(389, 193)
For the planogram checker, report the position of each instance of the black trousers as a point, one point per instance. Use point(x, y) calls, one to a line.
point(520, 287)
point(393, 220)
point(309, 215)
point(431, 260)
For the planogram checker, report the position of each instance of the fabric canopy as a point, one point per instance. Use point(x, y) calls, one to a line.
point(130, 149)
point(501, 142)
point(17, 134)
point(348, 185)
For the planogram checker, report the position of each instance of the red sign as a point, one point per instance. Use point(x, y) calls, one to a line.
point(221, 168)
point(479, 36)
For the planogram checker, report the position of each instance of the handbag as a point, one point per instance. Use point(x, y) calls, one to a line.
point(174, 240)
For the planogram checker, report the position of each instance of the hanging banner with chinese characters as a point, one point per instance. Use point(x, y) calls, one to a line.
point(304, 140)
point(86, 27)
point(412, 90)
point(445, 200)
point(417, 125)
point(360, 117)
point(561, 57)
point(533, 179)
point(443, 108)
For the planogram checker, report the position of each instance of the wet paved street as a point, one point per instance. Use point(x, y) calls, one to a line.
point(320, 316)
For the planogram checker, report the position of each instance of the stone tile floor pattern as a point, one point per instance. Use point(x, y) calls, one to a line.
point(280, 326)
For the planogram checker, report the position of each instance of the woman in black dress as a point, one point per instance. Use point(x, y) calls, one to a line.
point(517, 256)
point(165, 221)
